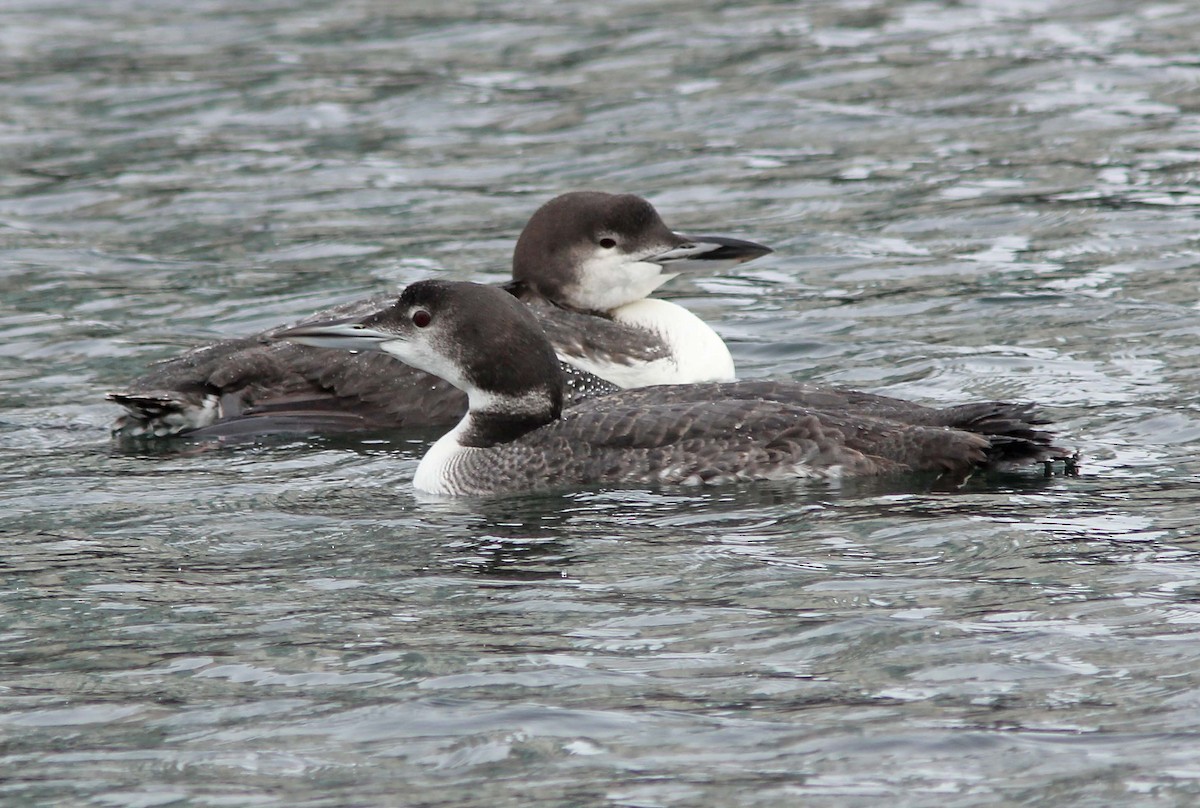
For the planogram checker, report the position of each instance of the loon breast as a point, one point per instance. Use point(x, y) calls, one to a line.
point(685, 350)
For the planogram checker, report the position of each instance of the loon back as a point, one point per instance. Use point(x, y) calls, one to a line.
point(1014, 429)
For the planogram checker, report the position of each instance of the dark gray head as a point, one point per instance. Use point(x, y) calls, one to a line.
point(479, 338)
point(593, 251)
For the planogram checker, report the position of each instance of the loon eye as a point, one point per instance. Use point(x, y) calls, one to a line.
point(608, 243)
point(421, 318)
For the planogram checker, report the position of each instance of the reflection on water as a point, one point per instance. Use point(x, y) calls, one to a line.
point(967, 200)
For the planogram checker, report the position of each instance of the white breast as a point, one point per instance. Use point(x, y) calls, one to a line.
point(435, 472)
point(697, 353)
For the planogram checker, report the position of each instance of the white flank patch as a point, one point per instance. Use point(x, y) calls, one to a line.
point(175, 421)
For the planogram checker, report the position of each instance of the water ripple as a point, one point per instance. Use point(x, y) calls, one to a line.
point(967, 200)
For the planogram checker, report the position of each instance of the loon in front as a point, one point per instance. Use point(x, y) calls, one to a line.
point(517, 436)
point(584, 265)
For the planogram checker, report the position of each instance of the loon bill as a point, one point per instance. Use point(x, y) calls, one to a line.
point(585, 265)
point(517, 436)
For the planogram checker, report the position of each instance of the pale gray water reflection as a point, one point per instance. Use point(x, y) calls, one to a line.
point(967, 200)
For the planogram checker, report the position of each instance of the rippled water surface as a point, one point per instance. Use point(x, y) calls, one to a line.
point(968, 199)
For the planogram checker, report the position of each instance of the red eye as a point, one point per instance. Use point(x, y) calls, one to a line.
point(421, 318)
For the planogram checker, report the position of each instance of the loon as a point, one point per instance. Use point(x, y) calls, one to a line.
point(517, 436)
point(585, 265)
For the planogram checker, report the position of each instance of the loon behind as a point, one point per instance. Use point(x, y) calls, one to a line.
point(516, 435)
point(584, 264)
point(603, 255)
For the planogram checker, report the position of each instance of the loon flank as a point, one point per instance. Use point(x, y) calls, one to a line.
point(516, 435)
point(584, 265)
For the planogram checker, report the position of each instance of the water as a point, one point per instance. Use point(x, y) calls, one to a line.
point(969, 199)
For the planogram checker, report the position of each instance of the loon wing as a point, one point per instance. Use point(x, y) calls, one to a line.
point(750, 438)
point(1013, 428)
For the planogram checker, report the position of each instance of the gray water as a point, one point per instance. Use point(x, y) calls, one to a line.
point(968, 200)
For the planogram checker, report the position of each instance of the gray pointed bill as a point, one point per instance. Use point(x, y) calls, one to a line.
point(346, 335)
point(708, 253)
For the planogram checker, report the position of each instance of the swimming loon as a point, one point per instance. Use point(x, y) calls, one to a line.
point(584, 264)
point(517, 436)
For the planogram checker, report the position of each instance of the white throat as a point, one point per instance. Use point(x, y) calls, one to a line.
point(608, 281)
point(698, 354)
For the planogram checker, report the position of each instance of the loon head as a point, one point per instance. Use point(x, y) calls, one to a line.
point(479, 338)
point(596, 252)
